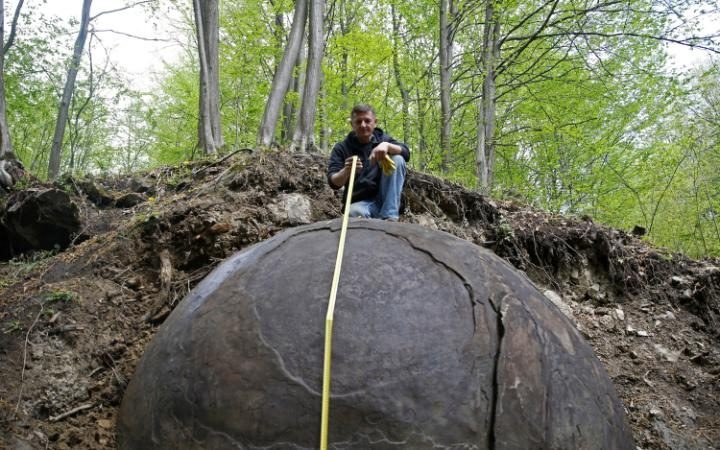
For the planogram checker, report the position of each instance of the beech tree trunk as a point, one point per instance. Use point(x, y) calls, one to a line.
point(68, 90)
point(303, 135)
point(5, 144)
point(485, 150)
point(446, 55)
point(283, 76)
point(207, 26)
point(404, 91)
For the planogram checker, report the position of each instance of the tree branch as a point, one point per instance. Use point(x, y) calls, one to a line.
point(110, 11)
point(685, 43)
point(134, 36)
point(13, 28)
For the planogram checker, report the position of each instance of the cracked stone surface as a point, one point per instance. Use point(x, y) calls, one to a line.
point(437, 343)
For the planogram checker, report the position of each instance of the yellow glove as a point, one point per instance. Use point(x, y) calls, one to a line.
point(388, 165)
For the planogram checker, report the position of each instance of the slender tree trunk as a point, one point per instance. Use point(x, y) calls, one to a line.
point(211, 27)
point(344, 22)
point(6, 149)
point(485, 150)
point(11, 169)
point(404, 92)
point(13, 27)
point(291, 106)
point(446, 55)
point(420, 109)
point(343, 81)
point(303, 135)
point(5, 143)
point(283, 76)
point(56, 149)
point(324, 125)
point(207, 28)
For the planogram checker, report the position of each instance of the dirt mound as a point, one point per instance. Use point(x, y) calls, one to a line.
point(73, 325)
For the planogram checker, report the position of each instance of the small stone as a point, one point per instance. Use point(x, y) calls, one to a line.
point(642, 333)
point(655, 412)
point(667, 354)
point(105, 423)
point(292, 209)
point(607, 322)
point(677, 280)
point(689, 413)
point(602, 311)
point(619, 314)
point(37, 353)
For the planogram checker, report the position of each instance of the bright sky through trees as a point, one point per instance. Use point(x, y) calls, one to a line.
point(141, 58)
point(122, 34)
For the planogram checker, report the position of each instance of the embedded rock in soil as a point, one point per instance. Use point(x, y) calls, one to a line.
point(38, 219)
point(437, 343)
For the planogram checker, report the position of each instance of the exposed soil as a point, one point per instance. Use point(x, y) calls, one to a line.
point(73, 324)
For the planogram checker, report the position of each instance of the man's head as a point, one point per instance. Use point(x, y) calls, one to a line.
point(362, 119)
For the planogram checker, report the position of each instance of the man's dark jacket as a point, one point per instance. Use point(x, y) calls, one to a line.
point(368, 181)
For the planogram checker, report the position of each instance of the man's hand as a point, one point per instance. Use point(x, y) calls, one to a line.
point(379, 152)
point(348, 166)
point(341, 177)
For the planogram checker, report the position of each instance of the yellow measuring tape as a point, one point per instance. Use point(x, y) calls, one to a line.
point(331, 312)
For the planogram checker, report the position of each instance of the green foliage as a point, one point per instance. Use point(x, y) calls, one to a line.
point(12, 327)
point(60, 297)
point(26, 263)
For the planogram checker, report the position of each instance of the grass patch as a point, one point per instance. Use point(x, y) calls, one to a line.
point(60, 297)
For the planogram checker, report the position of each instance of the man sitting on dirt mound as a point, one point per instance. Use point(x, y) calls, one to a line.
point(378, 185)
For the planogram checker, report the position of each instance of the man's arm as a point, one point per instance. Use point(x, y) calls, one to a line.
point(339, 167)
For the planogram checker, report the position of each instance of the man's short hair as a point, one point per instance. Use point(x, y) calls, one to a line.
point(361, 108)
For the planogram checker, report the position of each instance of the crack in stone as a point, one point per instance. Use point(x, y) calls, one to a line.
point(468, 287)
point(544, 370)
point(495, 387)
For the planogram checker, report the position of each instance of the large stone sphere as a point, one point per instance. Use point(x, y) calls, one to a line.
point(437, 343)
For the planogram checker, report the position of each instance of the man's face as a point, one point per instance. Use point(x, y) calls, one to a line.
point(363, 124)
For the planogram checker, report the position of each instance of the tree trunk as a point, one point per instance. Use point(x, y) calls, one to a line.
point(56, 150)
point(404, 92)
point(11, 169)
point(446, 50)
point(291, 106)
point(485, 150)
point(5, 143)
point(283, 76)
point(208, 28)
point(303, 135)
point(324, 123)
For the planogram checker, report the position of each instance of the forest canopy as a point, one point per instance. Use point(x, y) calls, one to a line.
point(568, 105)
